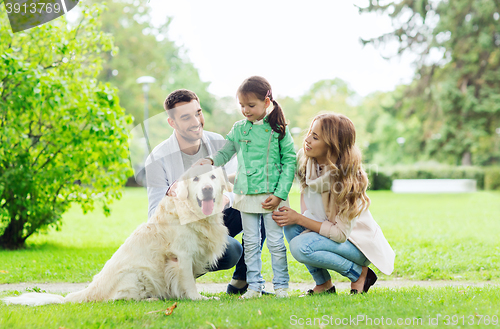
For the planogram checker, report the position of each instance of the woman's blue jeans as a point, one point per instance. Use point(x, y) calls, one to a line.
point(321, 254)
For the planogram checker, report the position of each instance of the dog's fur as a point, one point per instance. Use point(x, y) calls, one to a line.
point(162, 257)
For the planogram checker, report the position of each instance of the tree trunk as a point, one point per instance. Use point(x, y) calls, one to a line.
point(12, 237)
point(467, 159)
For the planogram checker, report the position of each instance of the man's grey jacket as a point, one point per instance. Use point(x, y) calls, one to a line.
point(164, 166)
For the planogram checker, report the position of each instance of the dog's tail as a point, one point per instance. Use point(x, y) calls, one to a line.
point(34, 299)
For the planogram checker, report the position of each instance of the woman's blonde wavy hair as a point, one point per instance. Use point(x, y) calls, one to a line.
point(348, 179)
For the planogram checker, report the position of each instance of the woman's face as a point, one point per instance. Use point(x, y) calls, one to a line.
point(314, 144)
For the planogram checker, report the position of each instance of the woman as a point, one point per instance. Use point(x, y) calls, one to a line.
point(335, 231)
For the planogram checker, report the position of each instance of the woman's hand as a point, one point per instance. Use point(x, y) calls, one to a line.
point(286, 216)
point(271, 202)
point(202, 162)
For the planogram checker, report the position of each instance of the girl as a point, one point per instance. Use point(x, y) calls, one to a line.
point(336, 231)
point(266, 166)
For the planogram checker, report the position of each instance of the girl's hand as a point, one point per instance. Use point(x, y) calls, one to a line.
point(286, 216)
point(202, 162)
point(271, 202)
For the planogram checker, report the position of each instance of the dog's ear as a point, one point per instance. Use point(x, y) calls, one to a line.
point(182, 189)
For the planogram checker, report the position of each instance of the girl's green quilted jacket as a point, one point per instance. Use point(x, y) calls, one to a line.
point(265, 163)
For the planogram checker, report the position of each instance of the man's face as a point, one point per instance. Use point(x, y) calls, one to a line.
point(188, 120)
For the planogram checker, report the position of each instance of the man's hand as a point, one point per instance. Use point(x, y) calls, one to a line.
point(171, 190)
point(286, 216)
point(202, 162)
point(226, 202)
point(231, 178)
point(271, 202)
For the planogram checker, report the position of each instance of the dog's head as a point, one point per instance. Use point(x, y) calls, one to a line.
point(202, 188)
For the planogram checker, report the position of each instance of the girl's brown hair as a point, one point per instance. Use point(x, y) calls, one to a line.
point(348, 179)
point(261, 88)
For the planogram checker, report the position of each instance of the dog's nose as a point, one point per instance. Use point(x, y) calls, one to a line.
point(207, 191)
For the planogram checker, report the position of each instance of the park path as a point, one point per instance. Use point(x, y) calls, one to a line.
point(65, 287)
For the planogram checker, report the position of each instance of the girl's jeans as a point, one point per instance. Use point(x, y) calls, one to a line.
point(275, 244)
point(321, 254)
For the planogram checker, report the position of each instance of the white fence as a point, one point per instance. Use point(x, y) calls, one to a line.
point(433, 185)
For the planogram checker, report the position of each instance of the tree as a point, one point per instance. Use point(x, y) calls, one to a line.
point(457, 44)
point(333, 95)
point(291, 107)
point(63, 136)
point(145, 49)
point(389, 138)
point(223, 116)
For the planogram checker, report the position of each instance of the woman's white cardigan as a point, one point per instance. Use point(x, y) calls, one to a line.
point(362, 231)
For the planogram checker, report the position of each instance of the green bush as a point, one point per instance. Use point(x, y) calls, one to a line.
point(64, 136)
point(378, 179)
point(492, 178)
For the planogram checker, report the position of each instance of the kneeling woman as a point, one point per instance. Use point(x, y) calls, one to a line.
point(336, 230)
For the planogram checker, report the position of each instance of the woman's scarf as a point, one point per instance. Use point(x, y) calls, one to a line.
point(321, 184)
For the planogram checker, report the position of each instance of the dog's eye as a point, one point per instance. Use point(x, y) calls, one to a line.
point(213, 176)
point(196, 179)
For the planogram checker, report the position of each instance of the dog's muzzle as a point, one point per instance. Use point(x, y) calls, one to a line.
point(208, 201)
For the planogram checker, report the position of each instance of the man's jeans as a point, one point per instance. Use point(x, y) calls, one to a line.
point(231, 256)
point(321, 254)
point(253, 246)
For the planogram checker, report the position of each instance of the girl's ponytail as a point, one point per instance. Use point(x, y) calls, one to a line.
point(277, 119)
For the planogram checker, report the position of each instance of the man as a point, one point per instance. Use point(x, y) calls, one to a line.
point(168, 161)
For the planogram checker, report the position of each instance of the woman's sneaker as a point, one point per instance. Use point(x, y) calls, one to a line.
point(251, 294)
point(281, 292)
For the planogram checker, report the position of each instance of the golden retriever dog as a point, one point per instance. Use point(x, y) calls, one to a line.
point(162, 257)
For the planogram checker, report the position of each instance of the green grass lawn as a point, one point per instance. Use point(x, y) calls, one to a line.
point(437, 237)
point(380, 308)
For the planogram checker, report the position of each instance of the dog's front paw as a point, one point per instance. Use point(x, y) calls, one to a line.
point(152, 299)
point(198, 297)
point(207, 298)
point(201, 297)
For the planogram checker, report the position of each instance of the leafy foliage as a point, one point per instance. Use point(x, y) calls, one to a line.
point(385, 127)
point(63, 135)
point(145, 49)
point(492, 178)
point(455, 94)
point(330, 95)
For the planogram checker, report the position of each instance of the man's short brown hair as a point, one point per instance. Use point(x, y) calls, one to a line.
point(179, 96)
